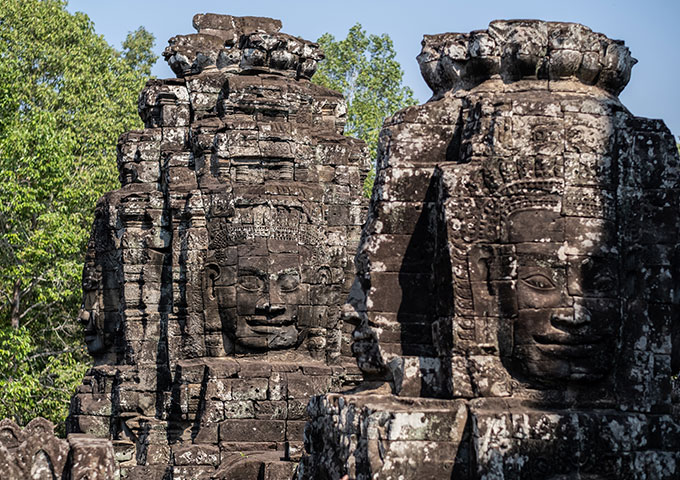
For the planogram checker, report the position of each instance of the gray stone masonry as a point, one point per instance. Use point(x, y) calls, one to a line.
point(517, 293)
point(215, 275)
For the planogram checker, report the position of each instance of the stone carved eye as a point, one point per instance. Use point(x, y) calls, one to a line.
point(598, 276)
point(538, 281)
point(251, 281)
point(289, 281)
point(90, 282)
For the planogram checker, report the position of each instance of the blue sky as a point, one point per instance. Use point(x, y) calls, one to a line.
point(651, 29)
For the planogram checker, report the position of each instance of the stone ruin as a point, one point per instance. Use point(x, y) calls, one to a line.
point(518, 276)
point(512, 311)
point(35, 452)
point(215, 275)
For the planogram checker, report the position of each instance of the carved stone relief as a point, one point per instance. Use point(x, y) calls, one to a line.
point(214, 277)
point(518, 270)
point(34, 451)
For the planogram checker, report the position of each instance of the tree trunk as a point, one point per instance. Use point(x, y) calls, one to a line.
point(16, 304)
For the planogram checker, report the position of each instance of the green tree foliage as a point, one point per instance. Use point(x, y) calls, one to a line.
point(364, 69)
point(65, 97)
point(137, 50)
point(36, 383)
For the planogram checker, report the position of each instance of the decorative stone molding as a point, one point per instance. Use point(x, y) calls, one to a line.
point(525, 49)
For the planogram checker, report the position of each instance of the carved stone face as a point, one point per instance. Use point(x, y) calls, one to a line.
point(100, 310)
point(99, 313)
point(566, 297)
point(270, 283)
point(268, 291)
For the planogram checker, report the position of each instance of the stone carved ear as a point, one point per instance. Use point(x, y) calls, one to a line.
point(211, 273)
point(480, 259)
point(491, 269)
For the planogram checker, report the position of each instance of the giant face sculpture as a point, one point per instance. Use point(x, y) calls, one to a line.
point(566, 296)
point(269, 278)
point(100, 311)
point(552, 279)
point(89, 314)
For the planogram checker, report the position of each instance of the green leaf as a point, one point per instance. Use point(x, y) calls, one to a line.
point(364, 69)
point(65, 97)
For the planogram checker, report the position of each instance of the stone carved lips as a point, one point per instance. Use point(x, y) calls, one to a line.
point(269, 259)
point(567, 312)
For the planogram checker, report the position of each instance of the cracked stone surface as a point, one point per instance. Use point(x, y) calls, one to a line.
point(35, 452)
point(519, 269)
point(215, 275)
point(512, 311)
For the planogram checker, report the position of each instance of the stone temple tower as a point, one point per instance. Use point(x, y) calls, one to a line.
point(215, 275)
point(516, 300)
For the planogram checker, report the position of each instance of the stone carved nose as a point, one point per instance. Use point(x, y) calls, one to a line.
point(276, 295)
point(576, 317)
point(87, 319)
point(270, 309)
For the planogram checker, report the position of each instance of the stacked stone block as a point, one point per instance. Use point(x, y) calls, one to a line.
point(34, 451)
point(215, 274)
point(522, 262)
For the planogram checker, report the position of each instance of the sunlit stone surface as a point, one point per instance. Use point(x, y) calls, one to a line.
point(516, 298)
point(215, 276)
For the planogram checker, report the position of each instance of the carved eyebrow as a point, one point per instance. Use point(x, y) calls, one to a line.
point(543, 263)
point(252, 271)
